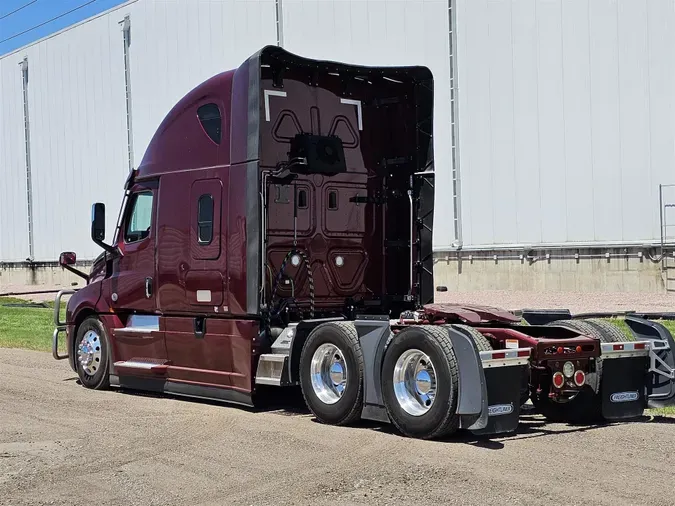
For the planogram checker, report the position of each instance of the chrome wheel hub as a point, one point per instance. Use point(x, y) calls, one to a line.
point(328, 371)
point(89, 352)
point(414, 382)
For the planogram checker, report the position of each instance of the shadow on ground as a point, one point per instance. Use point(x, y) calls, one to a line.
point(289, 402)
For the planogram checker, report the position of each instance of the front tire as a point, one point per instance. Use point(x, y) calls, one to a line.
point(331, 373)
point(91, 354)
point(420, 383)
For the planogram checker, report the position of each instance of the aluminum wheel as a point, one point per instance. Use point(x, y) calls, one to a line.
point(89, 352)
point(414, 382)
point(328, 371)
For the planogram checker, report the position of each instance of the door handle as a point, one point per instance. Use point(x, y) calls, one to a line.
point(200, 327)
point(148, 288)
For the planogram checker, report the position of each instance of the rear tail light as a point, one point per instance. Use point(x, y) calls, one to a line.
point(579, 378)
point(524, 353)
point(558, 380)
point(640, 346)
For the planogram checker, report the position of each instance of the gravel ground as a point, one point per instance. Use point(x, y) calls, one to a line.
point(63, 444)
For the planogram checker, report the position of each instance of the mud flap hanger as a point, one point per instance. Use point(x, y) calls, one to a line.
point(660, 383)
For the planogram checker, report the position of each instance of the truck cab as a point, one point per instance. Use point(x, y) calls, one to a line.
point(285, 190)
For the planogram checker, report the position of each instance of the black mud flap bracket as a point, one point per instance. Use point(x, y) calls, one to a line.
point(503, 371)
point(374, 334)
point(489, 385)
point(472, 402)
point(660, 382)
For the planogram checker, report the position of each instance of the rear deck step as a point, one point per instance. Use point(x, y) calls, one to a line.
point(272, 370)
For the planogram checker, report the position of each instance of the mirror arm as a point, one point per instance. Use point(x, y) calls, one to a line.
point(76, 272)
point(106, 247)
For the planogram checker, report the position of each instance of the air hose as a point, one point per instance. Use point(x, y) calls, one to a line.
point(310, 277)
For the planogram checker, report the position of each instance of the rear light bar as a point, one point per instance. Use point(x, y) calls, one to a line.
point(503, 358)
point(567, 350)
point(629, 349)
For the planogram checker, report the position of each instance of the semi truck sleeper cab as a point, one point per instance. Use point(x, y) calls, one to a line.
point(278, 232)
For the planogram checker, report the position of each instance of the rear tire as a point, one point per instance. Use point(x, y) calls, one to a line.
point(331, 373)
point(611, 333)
point(582, 327)
point(481, 341)
point(91, 354)
point(422, 400)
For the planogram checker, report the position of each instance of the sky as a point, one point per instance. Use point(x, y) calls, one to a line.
point(37, 12)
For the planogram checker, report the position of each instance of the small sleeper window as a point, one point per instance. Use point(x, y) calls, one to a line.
point(332, 200)
point(302, 199)
point(209, 117)
point(205, 219)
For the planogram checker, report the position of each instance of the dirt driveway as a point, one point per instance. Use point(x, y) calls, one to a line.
point(62, 444)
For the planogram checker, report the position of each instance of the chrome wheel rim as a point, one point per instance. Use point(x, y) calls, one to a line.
point(415, 382)
point(89, 353)
point(328, 371)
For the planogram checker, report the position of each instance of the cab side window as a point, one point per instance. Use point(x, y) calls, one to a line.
point(140, 219)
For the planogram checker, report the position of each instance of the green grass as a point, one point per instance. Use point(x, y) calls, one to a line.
point(667, 411)
point(29, 328)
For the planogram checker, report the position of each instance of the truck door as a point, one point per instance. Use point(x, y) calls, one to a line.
point(202, 343)
point(132, 283)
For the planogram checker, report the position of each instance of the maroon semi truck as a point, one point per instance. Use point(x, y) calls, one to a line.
point(278, 233)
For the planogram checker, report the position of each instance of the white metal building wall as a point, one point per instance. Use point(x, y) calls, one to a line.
point(76, 100)
point(78, 109)
point(177, 45)
point(565, 108)
point(13, 209)
point(385, 32)
point(566, 120)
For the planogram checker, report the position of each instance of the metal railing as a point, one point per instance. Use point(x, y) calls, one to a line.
point(59, 325)
point(667, 241)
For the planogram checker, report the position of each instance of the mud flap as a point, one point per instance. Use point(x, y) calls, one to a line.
point(503, 393)
point(373, 332)
point(661, 376)
point(622, 387)
point(472, 404)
